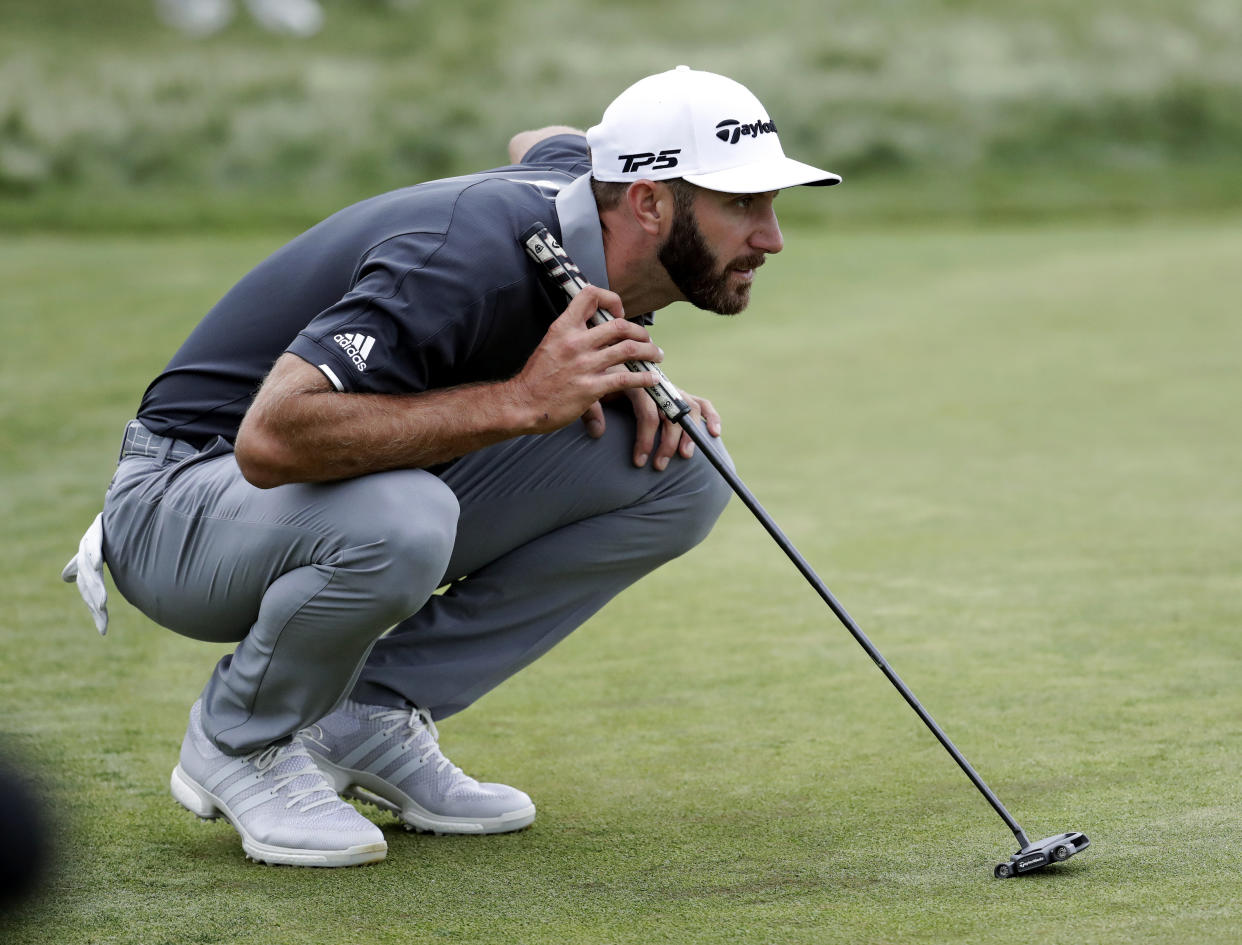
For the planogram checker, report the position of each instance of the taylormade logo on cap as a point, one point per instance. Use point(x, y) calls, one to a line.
point(731, 129)
point(682, 123)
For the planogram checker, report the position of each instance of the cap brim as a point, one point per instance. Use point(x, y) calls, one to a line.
point(762, 176)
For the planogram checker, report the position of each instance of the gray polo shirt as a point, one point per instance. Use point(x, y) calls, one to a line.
point(416, 289)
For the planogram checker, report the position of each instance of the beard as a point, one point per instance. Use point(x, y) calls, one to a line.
point(697, 273)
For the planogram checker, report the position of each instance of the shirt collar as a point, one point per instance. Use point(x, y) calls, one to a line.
point(583, 238)
point(580, 230)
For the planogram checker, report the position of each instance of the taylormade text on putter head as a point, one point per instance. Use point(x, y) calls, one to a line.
point(543, 248)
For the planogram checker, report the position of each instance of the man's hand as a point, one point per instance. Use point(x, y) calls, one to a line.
point(673, 439)
point(576, 365)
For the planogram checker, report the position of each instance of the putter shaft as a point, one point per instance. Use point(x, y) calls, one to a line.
point(704, 443)
point(545, 250)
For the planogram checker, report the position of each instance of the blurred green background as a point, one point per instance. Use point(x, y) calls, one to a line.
point(982, 108)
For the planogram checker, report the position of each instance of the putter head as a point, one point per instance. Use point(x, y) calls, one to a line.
point(1035, 856)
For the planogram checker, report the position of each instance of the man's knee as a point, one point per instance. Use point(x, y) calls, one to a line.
point(427, 529)
point(405, 538)
point(698, 496)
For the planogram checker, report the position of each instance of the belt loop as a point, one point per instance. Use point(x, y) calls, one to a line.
point(166, 444)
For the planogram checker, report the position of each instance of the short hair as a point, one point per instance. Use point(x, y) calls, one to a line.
point(608, 193)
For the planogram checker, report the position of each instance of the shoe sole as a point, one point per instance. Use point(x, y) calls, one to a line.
point(199, 801)
point(370, 789)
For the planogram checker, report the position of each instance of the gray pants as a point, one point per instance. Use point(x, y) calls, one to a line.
point(535, 535)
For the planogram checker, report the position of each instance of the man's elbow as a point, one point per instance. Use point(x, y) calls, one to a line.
point(263, 462)
point(523, 141)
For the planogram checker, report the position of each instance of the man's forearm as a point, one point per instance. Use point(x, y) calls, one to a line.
point(302, 430)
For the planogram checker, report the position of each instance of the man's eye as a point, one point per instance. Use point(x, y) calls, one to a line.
point(744, 202)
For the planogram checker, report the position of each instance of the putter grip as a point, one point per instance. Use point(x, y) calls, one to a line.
point(542, 247)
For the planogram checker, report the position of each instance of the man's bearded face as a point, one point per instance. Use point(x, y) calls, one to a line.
point(697, 272)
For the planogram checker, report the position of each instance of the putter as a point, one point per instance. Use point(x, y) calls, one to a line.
point(543, 248)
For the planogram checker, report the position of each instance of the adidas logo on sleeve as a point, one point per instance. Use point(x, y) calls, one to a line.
point(357, 346)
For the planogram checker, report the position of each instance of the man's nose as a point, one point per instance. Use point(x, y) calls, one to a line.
point(767, 238)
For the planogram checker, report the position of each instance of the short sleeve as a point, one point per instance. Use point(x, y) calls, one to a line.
point(423, 305)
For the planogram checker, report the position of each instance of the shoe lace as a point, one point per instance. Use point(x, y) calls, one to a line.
point(423, 731)
point(267, 758)
point(313, 733)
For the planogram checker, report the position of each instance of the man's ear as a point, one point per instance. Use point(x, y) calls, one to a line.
point(651, 204)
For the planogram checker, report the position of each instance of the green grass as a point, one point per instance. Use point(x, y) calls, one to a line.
point(106, 116)
point(1010, 452)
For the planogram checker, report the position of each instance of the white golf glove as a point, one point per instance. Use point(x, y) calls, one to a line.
point(86, 570)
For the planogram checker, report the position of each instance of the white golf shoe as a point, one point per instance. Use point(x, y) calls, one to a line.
point(391, 758)
point(277, 800)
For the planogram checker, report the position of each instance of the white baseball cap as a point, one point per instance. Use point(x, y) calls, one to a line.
point(699, 126)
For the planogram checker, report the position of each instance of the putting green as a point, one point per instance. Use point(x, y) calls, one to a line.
point(1010, 452)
